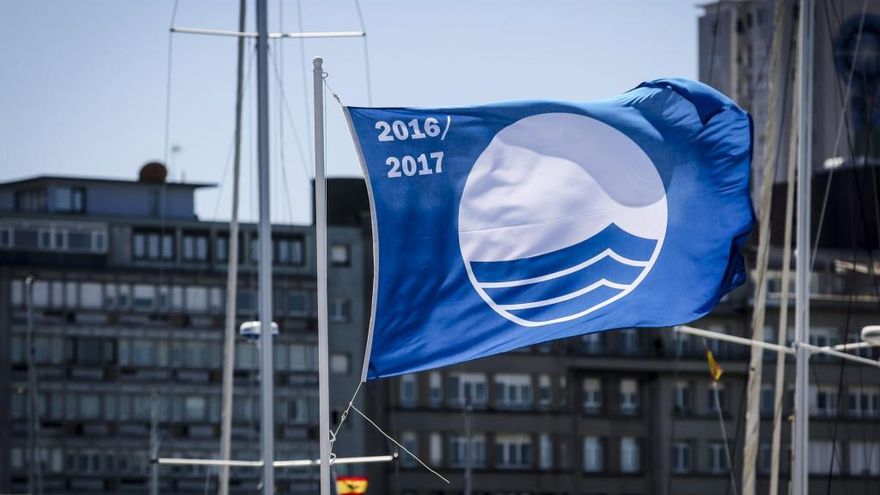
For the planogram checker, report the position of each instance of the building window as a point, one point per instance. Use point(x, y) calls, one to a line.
point(197, 299)
point(340, 255)
point(31, 201)
point(288, 250)
point(824, 400)
point(436, 389)
point(864, 458)
point(340, 310)
point(823, 456)
point(513, 391)
point(630, 460)
point(152, 245)
point(460, 455)
point(592, 395)
point(864, 402)
point(717, 458)
point(467, 389)
point(767, 400)
point(340, 363)
point(593, 456)
point(682, 457)
point(824, 337)
point(436, 449)
point(722, 398)
point(718, 347)
point(143, 297)
point(591, 343)
point(194, 408)
point(629, 341)
point(408, 390)
point(69, 199)
point(545, 451)
point(194, 247)
point(513, 451)
point(682, 397)
point(563, 391)
point(764, 458)
point(629, 397)
point(297, 303)
point(409, 440)
point(545, 391)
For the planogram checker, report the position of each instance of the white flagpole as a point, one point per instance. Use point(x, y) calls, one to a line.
point(267, 430)
point(321, 242)
point(800, 429)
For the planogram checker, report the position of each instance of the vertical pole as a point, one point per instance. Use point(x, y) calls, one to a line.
point(801, 431)
point(321, 242)
point(232, 270)
point(265, 235)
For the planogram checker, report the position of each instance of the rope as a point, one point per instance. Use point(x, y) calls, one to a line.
point(305, 83)
point(332, 91)
point(344, 415)
point(395, 442)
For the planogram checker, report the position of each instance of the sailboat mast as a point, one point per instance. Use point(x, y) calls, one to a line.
point(232, 271)
point(267, 444)
point(801, 432)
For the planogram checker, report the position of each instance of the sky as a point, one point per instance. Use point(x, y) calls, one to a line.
point(83, 83)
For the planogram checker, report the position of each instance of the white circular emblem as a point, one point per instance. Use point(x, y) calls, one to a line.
point(560, 216)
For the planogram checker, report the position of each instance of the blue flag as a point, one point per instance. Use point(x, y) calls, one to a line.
point(506, 225)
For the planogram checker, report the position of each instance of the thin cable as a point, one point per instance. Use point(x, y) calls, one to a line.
point(291, 121)
point(714, 53)
point(303, 70)
point(364, 43)
point(395, 442)
point(344, 416)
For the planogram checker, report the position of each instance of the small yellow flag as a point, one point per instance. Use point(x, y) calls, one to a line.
point(351, 485)
point(714, 369)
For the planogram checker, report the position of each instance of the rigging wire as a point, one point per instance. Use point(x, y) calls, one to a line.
point(857, 185)
point(155, 431)
point(305, 84)
point(843, 119)
point(365, 45)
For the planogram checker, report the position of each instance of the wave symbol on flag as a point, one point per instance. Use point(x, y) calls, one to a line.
point(561, 216)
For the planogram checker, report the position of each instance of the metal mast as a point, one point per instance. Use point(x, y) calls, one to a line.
point(267, 433)
point(321, 258)
point(232, 270)
point(801, 431)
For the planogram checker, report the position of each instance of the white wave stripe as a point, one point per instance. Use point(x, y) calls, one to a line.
point(607, 253)
point(566, 297)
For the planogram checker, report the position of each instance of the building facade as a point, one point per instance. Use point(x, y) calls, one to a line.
point(128, 298)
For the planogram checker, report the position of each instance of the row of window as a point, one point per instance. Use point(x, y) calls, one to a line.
point(159, 245)
point(54, 460)
point(119, 406)
point(65, 199)
point(513, 391)
point(154, 353)
point(66, 237)
point(149, 298)
point(517, 451)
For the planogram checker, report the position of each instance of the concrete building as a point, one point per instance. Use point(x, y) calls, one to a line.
point(128, 317)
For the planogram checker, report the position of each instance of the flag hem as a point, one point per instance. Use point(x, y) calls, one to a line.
point(375, 241)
